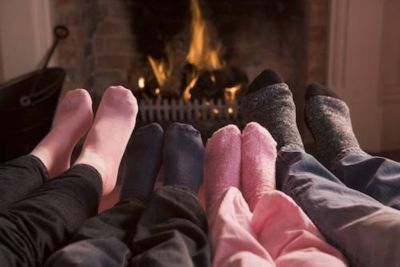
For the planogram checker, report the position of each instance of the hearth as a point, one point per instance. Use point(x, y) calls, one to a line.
point(191, 60)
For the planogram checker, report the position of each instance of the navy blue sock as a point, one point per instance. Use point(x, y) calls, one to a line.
point(144, 156)
point(183, 156)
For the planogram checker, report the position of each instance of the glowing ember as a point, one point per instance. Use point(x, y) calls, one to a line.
point(231, 92)
point(141, 82)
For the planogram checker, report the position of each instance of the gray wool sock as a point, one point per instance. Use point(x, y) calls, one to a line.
point(273, 107)
point(328, 118)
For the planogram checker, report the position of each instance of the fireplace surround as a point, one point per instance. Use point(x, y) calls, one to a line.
point(111, 41)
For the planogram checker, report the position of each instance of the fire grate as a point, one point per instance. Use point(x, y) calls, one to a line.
point(205, 115)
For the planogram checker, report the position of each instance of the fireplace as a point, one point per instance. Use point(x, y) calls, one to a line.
point(191, 60)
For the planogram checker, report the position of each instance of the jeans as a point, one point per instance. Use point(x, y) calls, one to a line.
point(35, 224)
point(375, 176)
point(170, 230)
point(367, 232)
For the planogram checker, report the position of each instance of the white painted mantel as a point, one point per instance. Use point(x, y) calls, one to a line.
point(364, 68)
point(25, 35)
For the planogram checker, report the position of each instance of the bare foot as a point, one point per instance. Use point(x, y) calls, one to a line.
point(109, 135)
point(72, 120)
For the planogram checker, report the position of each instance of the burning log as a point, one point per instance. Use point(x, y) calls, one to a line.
point(211, 84)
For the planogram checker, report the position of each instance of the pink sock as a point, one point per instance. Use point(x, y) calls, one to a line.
point(222, 163)
point(258, 163)
point(72, 120)
point(109, 135)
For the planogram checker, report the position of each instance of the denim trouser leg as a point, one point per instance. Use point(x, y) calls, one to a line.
point(375, 176)
point(367, 232)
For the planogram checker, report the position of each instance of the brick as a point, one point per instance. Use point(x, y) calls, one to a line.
point(113, 28)
point(113, 62)
point(120, 45)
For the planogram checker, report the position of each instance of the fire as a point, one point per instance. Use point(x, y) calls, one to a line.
point(231, 92)
point(160, 70)
point(201, 52)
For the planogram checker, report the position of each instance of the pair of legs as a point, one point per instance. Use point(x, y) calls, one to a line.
point(166, 227)
point(340, 202)
point(271, 230)
point(38, 215)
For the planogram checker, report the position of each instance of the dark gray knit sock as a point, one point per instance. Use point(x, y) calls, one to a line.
point(183, 156)
point(328, 118)
point(144, 156)
point(272, 106)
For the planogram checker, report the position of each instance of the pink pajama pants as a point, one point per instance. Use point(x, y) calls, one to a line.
point(273, 230)
point(277, 233)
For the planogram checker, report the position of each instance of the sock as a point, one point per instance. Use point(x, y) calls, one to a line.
point(143, 157)
point(222, 163)
point(72, 120)
point(183, 156)
point(328, 118)
point(266, 78)
point(258, 163)
point(109, 135)
point(272, 106)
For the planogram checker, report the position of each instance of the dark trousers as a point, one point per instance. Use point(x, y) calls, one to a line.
point(20, 177)
point(39, 220)
point(366, 231)
point(170, 230)
point(375, 176)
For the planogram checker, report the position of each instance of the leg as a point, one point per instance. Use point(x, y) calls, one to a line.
point(258, 163)
point(42, 222)
point(19, 177)
point(107, 233)
point(279, 224)
point(375, 176)
point(222, 164)
point(173, 229)
point(270, 103)
point(183, 156)
point(144, 156)
point(72, 120)
point(51, 156)
point(355, 223)
point(101, 240)
point(229, 217)
point(290, 237)
point(37, 225)
point(350, 220)
point(109, 135)
point(329, 120)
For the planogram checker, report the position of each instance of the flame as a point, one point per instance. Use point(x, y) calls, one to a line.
point(231, 92)
point(201, 52)
point(160, 70)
